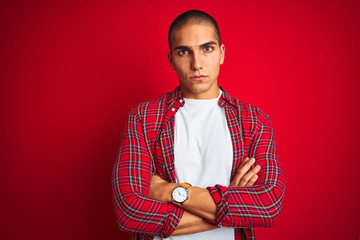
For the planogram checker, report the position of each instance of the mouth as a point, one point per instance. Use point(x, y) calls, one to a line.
point(198, 77)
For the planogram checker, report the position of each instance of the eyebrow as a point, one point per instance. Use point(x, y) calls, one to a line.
point(207, 44)
point(201, 46)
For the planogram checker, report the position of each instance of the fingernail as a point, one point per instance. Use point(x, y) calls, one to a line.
point(252, 160)
point(257, 167)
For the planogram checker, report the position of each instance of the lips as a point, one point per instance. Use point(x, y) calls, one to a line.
point(198, 77)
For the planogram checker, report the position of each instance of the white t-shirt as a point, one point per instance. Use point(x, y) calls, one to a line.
point(203, 152)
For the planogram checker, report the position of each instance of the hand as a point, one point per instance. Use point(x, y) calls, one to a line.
point(160, 189)
point(245, 177)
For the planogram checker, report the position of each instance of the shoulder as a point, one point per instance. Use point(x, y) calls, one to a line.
point(245, 109)
point(250, 117)
point(152, 107)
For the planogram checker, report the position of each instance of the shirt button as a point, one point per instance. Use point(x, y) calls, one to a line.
point(173, 109)
point(181, 101)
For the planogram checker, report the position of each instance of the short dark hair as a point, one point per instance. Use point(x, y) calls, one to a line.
point(195, 16)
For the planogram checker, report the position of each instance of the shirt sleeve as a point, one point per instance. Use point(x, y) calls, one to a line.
point(255, 206)
point(134, 210)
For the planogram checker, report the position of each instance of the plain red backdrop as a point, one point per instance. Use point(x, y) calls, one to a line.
point(71, 70)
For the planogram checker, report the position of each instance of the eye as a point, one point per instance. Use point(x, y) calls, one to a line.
point(183, 52)
point(208, 49)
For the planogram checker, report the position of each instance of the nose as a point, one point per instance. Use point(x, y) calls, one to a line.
point(196, 62)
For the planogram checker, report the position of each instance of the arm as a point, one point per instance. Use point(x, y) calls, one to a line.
point(134, 210)
point(200, 202)
point(255, 206)
point(191, 223)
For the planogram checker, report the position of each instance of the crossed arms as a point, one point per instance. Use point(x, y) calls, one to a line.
point(141, 210)
point(200, 204)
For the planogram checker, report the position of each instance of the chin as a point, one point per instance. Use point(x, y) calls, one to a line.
point(196, 88)
point(200, 89)
point(200, 86)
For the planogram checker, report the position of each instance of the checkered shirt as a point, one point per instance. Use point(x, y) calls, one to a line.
point(147, 146)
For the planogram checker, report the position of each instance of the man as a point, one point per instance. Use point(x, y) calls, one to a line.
point(197, 163)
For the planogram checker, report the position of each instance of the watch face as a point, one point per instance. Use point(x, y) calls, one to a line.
point(179, 194)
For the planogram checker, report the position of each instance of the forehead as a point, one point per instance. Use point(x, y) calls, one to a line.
point(193, 34)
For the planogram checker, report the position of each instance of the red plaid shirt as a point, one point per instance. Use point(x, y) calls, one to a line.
point(147, 146)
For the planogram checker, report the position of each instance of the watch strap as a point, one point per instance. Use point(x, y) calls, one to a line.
point(185, 185)
point(177, 204)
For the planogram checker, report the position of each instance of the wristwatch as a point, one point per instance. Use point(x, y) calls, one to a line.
point(180, 194)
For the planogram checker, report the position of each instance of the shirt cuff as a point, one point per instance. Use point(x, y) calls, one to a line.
point(220, 195)
point(171, 220)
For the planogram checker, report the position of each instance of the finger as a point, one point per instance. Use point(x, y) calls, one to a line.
point(243, 162)
point(249, 175)
point(237, 176)
point(252, 181)
point(241, 171)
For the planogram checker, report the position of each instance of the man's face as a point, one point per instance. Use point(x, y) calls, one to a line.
point(196, 57)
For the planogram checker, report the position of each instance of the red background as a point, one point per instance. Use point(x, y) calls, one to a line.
point(70, 72)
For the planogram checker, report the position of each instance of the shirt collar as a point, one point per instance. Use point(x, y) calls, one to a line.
point(177, 95)
point(226, 98)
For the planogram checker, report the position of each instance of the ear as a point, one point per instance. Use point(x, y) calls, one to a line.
point(171, 60)
point(222, 53)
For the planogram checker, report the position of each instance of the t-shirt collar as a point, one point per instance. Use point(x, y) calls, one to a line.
point(176, 95)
